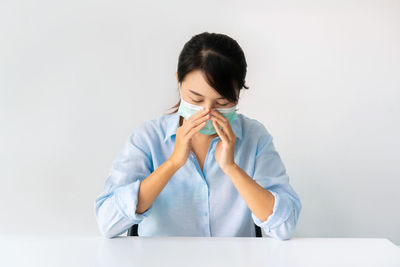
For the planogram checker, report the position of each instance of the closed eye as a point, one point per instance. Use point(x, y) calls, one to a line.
point(217, 103)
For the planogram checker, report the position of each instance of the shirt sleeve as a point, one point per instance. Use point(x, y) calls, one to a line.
point(115, 207)
point(270, 173)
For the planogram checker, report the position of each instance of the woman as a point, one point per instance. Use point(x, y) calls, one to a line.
point(202, 170)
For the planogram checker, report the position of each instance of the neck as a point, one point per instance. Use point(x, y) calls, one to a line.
point(204, 137)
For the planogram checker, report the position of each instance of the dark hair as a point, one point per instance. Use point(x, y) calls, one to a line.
point(221, 60)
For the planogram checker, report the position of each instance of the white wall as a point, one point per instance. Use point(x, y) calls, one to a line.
point(76, 77)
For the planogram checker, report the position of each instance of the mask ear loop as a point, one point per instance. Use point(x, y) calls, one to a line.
point(180, 90)
point(180, 95)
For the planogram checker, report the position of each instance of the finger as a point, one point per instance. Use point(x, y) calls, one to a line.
point(198, 114)
point(190, 121)
point(195, 123)
point(219, 131)
point(217, 114)
point(195, 129)
point(226, 127)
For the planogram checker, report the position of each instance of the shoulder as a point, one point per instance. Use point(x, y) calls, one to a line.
point(254, 129)
point(150, 132)
point(151, 127)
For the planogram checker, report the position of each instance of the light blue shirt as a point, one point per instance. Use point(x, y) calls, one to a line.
point(196, 202)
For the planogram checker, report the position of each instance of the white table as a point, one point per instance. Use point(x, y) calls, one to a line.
point(195, 251)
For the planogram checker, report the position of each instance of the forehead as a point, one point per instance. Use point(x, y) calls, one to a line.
point(196, 84)
point(194, 92)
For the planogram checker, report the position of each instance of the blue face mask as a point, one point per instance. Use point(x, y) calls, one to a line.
point(187, 110)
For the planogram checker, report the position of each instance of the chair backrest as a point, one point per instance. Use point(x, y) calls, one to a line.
point(133, 231)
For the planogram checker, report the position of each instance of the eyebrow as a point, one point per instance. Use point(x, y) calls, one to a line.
point(202, 95)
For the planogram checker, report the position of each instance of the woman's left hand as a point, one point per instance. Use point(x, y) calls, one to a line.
point(224, 152)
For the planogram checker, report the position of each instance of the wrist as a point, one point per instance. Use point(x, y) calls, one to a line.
point(173, 164)
point(228, 170)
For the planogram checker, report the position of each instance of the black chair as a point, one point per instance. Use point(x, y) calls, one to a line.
point(133, 231)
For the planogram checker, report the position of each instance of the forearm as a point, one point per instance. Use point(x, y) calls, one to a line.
point(151, 187)
point(259, 200)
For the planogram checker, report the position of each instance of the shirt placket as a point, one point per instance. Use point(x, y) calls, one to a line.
point(206, 210)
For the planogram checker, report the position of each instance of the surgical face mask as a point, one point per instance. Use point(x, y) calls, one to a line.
point(187, 110)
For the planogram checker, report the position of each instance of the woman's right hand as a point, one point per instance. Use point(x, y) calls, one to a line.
point(185, 133)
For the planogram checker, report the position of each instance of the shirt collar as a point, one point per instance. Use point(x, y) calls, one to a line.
point(172, 125)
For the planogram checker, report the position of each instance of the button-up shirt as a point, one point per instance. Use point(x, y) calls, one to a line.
point(196, 202)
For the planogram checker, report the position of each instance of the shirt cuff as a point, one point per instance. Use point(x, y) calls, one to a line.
point(126, 198)
point(281, 212)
